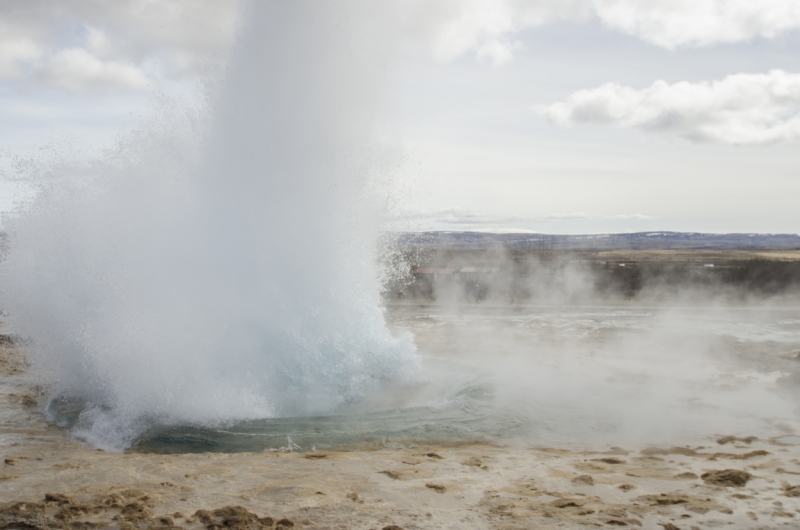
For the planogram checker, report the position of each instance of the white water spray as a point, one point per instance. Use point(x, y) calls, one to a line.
point(221, 267)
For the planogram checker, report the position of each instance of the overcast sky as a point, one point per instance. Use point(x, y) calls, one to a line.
point(554, 116)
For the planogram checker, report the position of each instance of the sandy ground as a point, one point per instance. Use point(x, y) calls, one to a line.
point(50, 481)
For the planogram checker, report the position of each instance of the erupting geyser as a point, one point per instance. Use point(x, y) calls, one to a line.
point(220, 268)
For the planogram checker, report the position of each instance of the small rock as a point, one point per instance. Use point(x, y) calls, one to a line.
point(433, 455)
point(57, 498)
point(233, 517)
point(665, 499)
point(729, 439)
point(438, 488)
point(727, 478)
point(583, 480)
point(390, 474)
point(7, 340)
point(626, 487)
point(622, 522)
point(610, 460)
point(792, 491)
point(654, 451)
point(567, 503)
point(686, 476)
point(135, 511)
point(751, 454)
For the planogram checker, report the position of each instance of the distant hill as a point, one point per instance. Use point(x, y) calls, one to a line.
point(633, 241)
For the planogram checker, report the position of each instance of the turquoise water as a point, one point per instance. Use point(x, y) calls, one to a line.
point(466, 417)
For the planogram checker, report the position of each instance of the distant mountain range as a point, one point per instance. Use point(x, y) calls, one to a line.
point(633, 241)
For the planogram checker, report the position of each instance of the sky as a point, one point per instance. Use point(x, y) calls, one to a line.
point(551, 116)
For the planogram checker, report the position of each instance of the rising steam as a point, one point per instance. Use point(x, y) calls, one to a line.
point(219, 264)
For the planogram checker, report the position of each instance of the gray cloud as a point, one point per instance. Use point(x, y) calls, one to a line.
point(739, 109)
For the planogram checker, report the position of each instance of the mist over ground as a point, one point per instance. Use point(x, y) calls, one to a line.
point(610, 344)
point(658, 268)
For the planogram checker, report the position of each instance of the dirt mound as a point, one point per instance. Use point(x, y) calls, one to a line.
point(727, 478)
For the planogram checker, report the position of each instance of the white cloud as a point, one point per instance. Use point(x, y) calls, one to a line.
point(740, 109)
point(96, 45)
point(459, 216)
point(582, 216)
point(477, 26)
point(179, 39)
point(483, 27)
point(460, 219)
point(77, 70)
point(674, 23)
point(13, 52)
point(498, 52)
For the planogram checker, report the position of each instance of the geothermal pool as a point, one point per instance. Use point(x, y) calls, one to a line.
point(577, 375)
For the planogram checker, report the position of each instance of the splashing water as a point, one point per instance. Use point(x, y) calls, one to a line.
point(219, 265)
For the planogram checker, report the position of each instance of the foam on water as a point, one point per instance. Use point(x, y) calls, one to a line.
point(219, 265)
